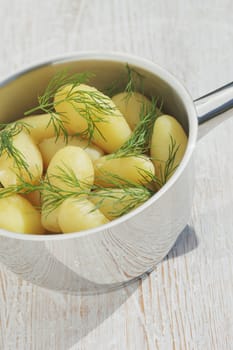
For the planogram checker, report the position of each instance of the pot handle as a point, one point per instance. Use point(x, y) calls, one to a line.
point(214, 108)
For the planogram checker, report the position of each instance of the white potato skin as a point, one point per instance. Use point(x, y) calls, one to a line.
point(165, 128)
point(110, 132)
point(49, 146)
point(17, 214)
point(77, 214)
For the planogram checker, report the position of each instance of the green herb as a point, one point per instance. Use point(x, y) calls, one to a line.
point(134, 81)
point(170, 165)
point(93, 106)
point(129, 81)
point(54, 196)
point(90, 104)
point(7, 147)
point(166, 168)
point(139, 141)
point(60, 79)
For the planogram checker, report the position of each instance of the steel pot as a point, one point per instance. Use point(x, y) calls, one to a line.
point(109, 256)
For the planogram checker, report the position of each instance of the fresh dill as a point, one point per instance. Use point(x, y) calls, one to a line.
point(139, 141)
point(60, 79)
point(164, 169)
point(122, 199)
point(129, 81)
point(169, 166)
point(134, 81)
point(53, 196)
point(46, 100)
point(93, 106)
point(90, 104)
point(7, 147)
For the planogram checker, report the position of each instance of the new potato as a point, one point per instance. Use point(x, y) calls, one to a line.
point(10, 173)
point(135, 169)
point(165, 128)
point(17, 214)
point(39, 126)
point(77, 214)
point(71, 159)
point(81, 103)
point(49, 146)
point(132, 106)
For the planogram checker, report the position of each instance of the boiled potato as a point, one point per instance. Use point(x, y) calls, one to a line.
point(69, 158)
point(39, 126)
point(115, 202)
point(18, 215)
point(77, 214)
point(134, 169)
point(10, 173)
point(75, 159)
point(166, 129)
point(49, 220)
point(48, 147)
point(111, 129)
point(132, 106)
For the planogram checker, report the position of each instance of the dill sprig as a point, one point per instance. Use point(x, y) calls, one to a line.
point(123, 199)
point(91, 104)
point(46, 103)
point(132, 194)
point(169, 166)
point(60, 79)
point(53, 196)
point(22, 187)
point(7, 147)
point(139, 141)
point(134, 81)
point(164, 169)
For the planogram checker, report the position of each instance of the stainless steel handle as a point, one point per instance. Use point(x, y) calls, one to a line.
point(214, 108)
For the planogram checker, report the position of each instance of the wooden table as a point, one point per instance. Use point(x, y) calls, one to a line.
point(187, 301)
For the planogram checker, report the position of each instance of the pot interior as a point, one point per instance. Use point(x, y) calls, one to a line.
point(20, 92)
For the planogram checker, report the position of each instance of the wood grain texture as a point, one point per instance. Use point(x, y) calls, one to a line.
point(186, 303)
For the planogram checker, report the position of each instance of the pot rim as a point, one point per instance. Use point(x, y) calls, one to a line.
point(146, 64)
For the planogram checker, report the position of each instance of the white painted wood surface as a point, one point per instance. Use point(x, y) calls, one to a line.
point(187, 302)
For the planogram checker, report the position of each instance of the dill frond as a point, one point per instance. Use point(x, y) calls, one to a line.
point(164, 169)
point(45, 101)
point(53, 196)
point(133, 81)
point(139, 141)
point(23, 187)
point(170, 166)
point(7, 147)
point(92, 105)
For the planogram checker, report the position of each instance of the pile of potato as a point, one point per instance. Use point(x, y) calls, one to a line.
point(47, 155)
